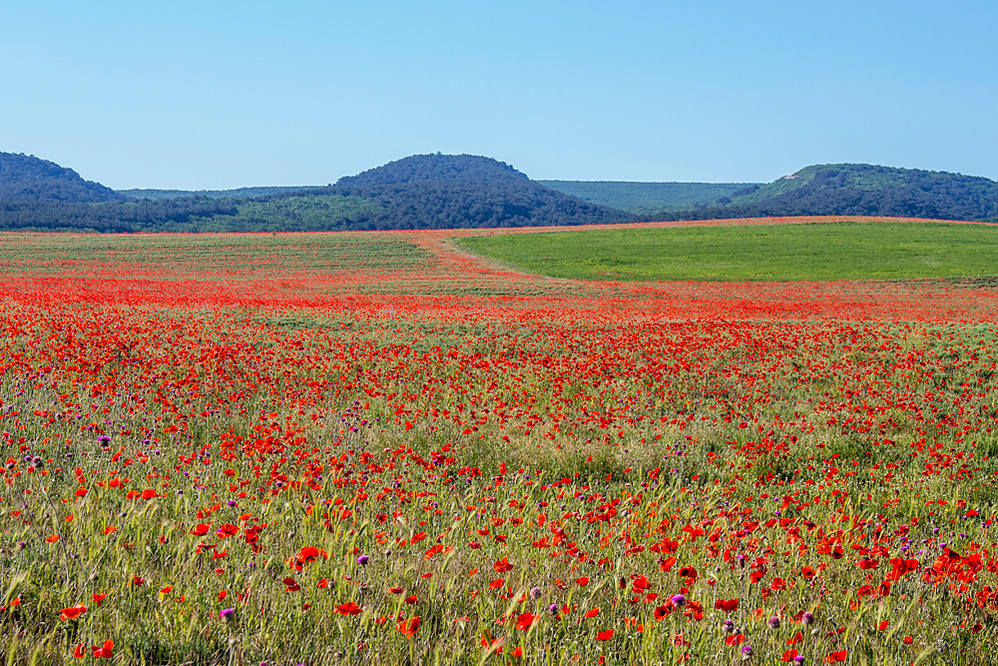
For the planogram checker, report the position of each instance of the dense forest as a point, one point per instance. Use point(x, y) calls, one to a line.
point(859, 189)
point(441, 191)
point(26, 178)
point(446, 191)
point(423, 191)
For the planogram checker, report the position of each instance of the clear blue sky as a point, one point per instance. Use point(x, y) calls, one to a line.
point(223, 94)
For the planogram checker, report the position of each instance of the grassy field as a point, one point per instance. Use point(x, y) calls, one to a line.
point(247, 256)
point(827, 251)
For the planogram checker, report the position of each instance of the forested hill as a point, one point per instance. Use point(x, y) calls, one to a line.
point(441, 191)
point(418, 192)
point(860, 189)
point(26, 178)
point(453, 191)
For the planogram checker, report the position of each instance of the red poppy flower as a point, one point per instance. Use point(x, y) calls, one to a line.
point(604, 635)
point(727, 605)
point(348, 608)
point(525, 621)
point(409, 627)
point(105, 651)
point(73, 612)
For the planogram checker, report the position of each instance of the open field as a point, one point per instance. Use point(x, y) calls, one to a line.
point(831, 251)
point(378, 448)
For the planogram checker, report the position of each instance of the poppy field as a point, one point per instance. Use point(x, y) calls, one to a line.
point(378, 448)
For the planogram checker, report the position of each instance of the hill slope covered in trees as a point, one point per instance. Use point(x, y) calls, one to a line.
point(452, 191)
point(418, 192)
point(441, 191)
point(861, 189)
point(26, 178)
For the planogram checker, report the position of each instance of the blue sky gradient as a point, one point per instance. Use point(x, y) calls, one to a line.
point(226, 94)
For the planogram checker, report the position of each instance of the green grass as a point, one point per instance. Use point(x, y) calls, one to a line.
point(780, 252)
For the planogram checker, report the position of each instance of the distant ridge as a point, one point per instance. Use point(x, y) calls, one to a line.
point(861, 189)
point(644, 197)
point(438, 191)
point(447, 191)
point(235, 193)
point(26, 178)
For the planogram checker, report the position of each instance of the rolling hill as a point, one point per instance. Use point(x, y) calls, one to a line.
point(453, 191)
point(26, 178)
point(417, 192)
point(447, 191)
point(861, 189)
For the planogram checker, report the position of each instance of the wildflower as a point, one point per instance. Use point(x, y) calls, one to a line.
point(727, 605)
point(773, 622)
point(226, 613)
point(348, 608)
point(363, 560)
point(72, 613)
point(604, 635)
point(807, 618)
point(409, 627)
point(678, 599)
point(526, 621)
point(105, 651)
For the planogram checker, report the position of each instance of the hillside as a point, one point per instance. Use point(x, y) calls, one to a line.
point(447, 191)
point(863, 189)
point(644, 198)
point(418, 192)
point(26, 178)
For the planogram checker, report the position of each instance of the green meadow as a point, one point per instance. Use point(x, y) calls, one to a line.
point(780, 252)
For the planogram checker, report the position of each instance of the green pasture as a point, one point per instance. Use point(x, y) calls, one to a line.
point(780, 252)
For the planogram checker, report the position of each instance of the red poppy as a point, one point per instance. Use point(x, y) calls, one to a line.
point(525, 621)
point(409, 627)
point(727, 605)
point(72, 612)
point(348, 608)
point(105, 651)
